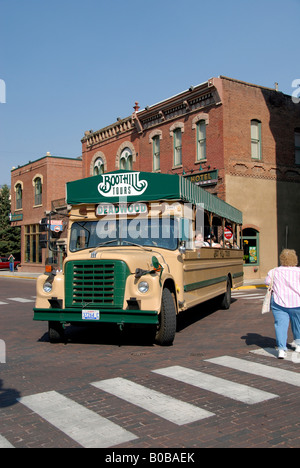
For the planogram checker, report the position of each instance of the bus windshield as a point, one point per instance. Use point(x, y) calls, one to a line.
point(148, 232)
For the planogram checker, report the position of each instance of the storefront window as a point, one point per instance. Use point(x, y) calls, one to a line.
point(251, 246)
point(33, 250)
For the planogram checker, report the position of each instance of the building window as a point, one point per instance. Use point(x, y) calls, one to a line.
point(19, 197)
point(126, 159)
point(98, 167)
point(156, 152)
point(33, 250)
point(251, 246)
point(38, 191)
point(177, 136)
point(201, 140)
point(297, 146)
point(255, 139)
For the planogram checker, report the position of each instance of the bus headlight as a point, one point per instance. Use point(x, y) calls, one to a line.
point(143, 287)
point(47, 287)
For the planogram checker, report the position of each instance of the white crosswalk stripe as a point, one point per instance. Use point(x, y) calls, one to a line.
point(274, 373)
point(164, 406)
point(4, 443)
point(229, 389)
point(19, 299)
point(86, 427)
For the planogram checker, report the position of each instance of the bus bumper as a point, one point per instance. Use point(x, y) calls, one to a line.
point(144, 317)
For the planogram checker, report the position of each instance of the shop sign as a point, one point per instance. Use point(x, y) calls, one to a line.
point(16, 217)
point(204, 178)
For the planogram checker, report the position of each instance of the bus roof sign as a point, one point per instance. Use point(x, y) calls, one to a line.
point(131, 186)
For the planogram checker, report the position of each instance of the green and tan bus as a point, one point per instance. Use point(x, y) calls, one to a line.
point(136, 254)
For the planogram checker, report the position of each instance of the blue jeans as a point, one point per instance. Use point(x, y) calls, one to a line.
point(283, 316)
point(11, 266)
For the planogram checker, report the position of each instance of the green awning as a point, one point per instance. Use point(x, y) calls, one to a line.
point(130, 186)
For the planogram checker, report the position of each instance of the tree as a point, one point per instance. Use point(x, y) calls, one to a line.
point(10, 236)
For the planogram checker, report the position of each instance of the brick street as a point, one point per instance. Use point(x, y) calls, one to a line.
point(66, 372)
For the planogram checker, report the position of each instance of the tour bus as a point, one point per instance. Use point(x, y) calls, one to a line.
point(134, 254)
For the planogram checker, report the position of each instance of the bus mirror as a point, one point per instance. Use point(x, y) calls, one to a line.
point(182, 247)
point(155, 263)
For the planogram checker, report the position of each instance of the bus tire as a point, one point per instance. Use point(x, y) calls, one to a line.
point(226, 297)
point(56, 332)
point(167, 327)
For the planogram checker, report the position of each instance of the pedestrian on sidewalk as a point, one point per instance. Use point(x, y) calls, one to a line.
point(285, 302)
point(11, 260)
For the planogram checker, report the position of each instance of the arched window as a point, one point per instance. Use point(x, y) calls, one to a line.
point(98, 167)
point(38, 191)
point(177, 147)
point(251, 246)
point(19, 195)
point(201, 140)
point(156, 152)
point(126, 159)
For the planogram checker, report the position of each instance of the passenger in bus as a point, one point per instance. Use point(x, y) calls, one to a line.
point(213, 241)
point(200, 242)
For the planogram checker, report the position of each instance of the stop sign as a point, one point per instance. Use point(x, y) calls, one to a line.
point(228, 233)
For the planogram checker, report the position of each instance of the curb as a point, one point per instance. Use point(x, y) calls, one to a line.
point(19, 276)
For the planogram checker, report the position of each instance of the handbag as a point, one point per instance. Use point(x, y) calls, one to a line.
point(266, 307)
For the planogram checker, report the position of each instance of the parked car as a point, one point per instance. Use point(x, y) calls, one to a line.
point(4, 263)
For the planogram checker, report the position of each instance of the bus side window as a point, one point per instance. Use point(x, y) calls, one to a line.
point(186, 232)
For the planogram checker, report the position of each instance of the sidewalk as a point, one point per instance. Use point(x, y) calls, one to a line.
point(248, 284)
point(18, 274)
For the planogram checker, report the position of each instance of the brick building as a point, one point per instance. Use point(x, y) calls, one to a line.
point(37, 187)
point(239, 140)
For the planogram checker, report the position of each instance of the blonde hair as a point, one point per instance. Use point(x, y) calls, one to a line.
point(288, 258)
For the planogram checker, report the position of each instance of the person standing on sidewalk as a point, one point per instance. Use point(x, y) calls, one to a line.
point(11, 260)
point(285, 302)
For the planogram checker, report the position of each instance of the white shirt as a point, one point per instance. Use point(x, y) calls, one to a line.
point(286, 286)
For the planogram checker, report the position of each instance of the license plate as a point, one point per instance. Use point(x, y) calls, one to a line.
point(90, 315)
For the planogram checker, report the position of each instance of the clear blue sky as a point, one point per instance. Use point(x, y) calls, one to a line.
point(76, 65)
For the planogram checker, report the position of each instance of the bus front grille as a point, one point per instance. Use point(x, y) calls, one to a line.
point(95, 283)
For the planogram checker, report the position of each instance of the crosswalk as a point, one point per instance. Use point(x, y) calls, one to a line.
point(257, 295)
point(13, 300)
point(89, 429)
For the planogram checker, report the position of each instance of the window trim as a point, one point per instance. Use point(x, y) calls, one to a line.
point(198, 125)
point(156, 155)
point(258, 123)
point(38, 197)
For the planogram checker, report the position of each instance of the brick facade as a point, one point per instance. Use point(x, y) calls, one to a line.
point(266, 188)
point(53, 172)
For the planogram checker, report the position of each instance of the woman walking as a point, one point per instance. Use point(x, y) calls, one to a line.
point(285, 303)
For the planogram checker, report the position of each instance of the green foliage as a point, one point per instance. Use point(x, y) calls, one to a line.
point(10, 236)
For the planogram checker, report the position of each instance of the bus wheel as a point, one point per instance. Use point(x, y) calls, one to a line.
point(167, 327)
point(226, 297)
point(56, 332)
